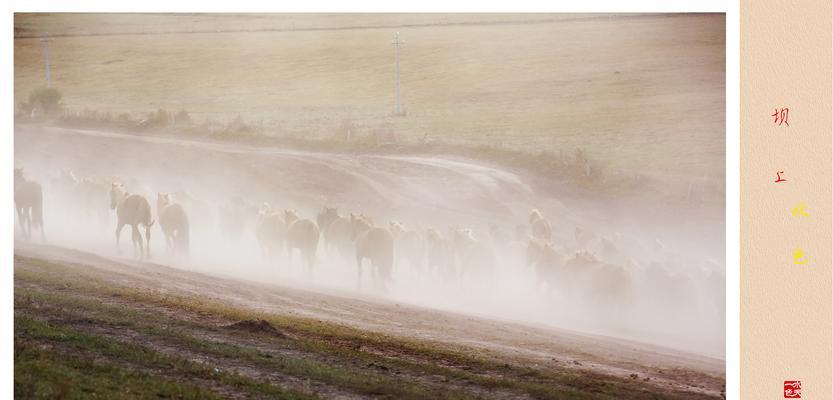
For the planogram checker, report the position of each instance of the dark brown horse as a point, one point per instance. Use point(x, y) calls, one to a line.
point(375, 244)
point(301, 234)
point(28, 202)
point(270, 231)
point(174, 223)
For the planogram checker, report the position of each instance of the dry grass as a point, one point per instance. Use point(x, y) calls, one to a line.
point(639, 93)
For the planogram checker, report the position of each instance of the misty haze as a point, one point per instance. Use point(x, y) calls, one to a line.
point(371, 205)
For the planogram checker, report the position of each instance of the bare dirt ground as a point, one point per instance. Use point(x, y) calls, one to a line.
point(667, 371)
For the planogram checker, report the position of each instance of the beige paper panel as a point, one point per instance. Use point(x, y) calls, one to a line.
point(786, 323)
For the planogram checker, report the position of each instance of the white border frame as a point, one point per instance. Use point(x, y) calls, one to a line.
point(730, 7)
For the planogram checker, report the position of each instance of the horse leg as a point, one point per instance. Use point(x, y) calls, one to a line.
point(137, 242)
point(305, 261)
point(118, 233)
point(167, 237)
point(310, 259)
point(359, 268)
point(147, 239)
point(385, 270)
point(28, 217)
point(374, 273)
point(20, 220)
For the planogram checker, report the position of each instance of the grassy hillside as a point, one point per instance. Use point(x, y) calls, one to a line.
point(81, 334)
point(639, 93)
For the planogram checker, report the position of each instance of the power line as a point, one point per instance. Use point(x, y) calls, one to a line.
point(398, 107)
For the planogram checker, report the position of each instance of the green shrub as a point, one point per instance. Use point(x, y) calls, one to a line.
point(43, 102)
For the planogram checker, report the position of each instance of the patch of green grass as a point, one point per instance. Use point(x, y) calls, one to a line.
point(42, 374)
point(59, 362)
point(97, 313)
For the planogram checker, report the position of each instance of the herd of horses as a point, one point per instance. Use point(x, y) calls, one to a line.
point(591, 266)
point(354, 237)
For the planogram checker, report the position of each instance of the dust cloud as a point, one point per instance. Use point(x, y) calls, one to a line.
point(657, 280)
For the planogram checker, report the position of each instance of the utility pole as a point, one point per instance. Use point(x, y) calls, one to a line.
point(45, 40)
point(396, 43)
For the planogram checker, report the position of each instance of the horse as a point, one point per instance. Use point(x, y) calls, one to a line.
point(338, 236)
point(64, 184)
point(174, 223)
point(326, 217)
point(409, 245)
point(301, 234)
point(270, 230)
point(474, 255)
point(91, 196)
point(597, 283)
point(541, 228)
point(439, 253)
point(200, 212)
point(548, 263)
point(28, 202)
point(374, 244)
point(583, 238)
point(133, 210)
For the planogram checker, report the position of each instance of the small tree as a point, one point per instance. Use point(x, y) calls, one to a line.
point(43, 102)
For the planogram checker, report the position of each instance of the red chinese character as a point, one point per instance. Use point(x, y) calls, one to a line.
point(780, 179)
point(792, 389)
point(782, 117)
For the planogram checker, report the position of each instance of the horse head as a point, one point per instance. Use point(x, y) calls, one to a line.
point(163, 200)
point(68, 176)
point(265, 209)
point(117, 194)
point(18, 176)
point(535, 215)
point(396, 228)
point(290, 216)
point(360, 224)
point(327, 216)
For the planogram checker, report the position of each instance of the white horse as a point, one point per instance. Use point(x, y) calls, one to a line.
point(541, 228)
point(133, 210)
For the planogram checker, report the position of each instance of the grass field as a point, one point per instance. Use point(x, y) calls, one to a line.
point(637, 92)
